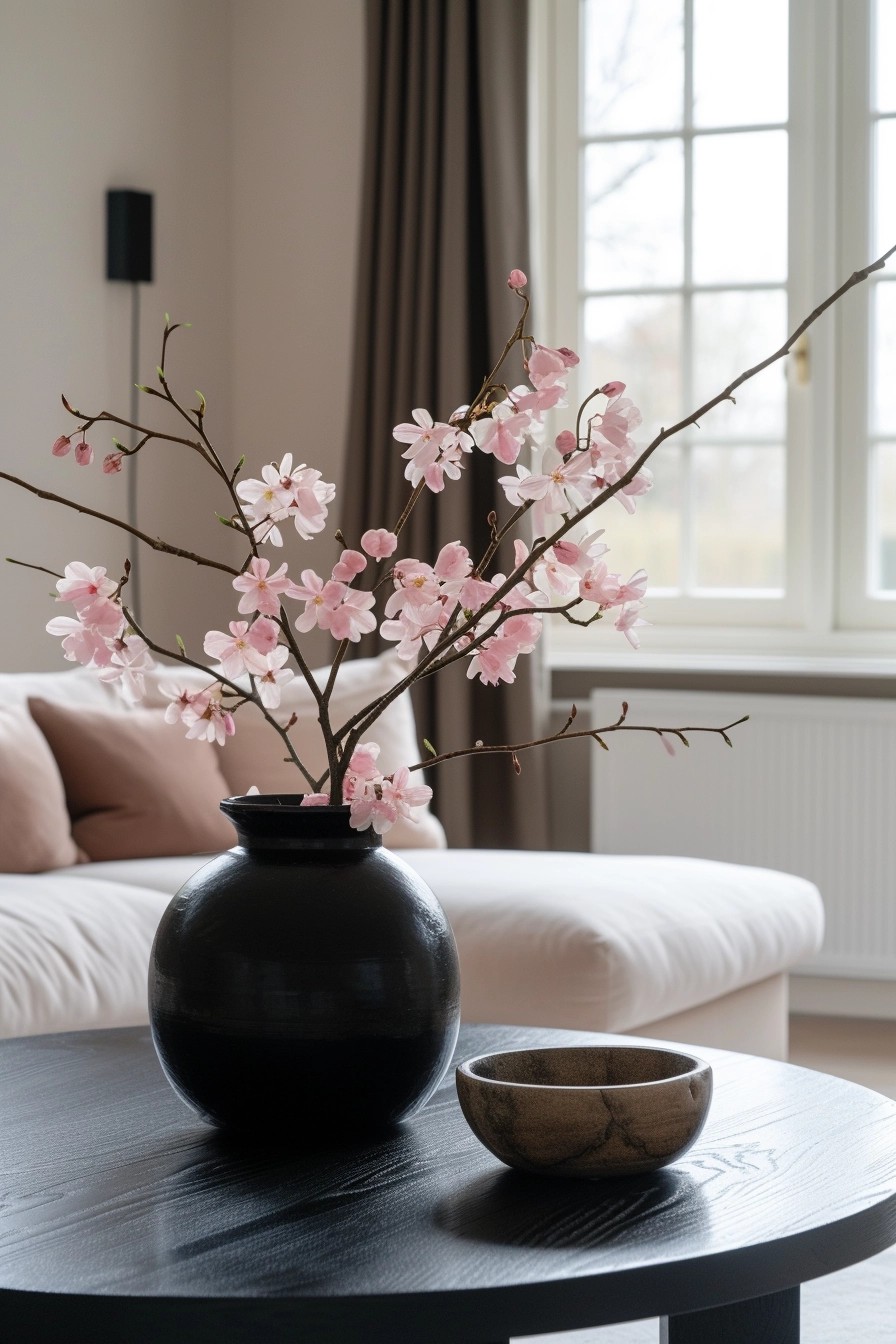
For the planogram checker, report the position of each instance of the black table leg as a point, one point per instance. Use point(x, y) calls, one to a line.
point(760, 1320)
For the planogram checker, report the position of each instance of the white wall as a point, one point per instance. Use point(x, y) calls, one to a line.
point(245, 120)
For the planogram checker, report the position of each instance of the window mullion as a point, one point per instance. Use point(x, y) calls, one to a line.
point(855, 607)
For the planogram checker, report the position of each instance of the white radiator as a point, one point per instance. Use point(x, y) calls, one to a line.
point(809, 787)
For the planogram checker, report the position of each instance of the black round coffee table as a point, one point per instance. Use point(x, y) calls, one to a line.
point(122, 1218)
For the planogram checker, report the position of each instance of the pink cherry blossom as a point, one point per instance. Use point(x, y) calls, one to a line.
point(286, 492)
point(363, 763)
point(614, 389)
point(186, 706)
point(617, 422)
point(260, 589)
point(599, 586)
point(130, 659)
point(517, 279)
point(319, 597)
point(628, 620)
point(80, 644)
point(569, 357)
point(83, 585)
point(349, 565)
point(415, 585)
point(112, 463)
point(264, 634)
point(566, 442)
point(83, 454)
point(274, 677)
point(634, 590)
point(315, 800)
point(452, 562)
point(379, 543)
point(402, 795)
point(547, 367)
point(235, 651)
point(372, 811)
point(416, 624)
point(212, 723)
point(352, 618)
point(493, 662)
point(502, 432)
point(535, 403)
point(423, 433)
point(62, 446)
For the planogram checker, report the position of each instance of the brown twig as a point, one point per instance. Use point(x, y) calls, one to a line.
point(620, 726)
point(155, 542)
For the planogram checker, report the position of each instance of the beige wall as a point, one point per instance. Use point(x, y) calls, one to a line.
point(245, 120)
point(298, 90)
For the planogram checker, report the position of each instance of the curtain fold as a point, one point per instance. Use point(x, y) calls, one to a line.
point(444, 220)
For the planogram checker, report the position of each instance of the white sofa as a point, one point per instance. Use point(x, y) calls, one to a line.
point(682, 949)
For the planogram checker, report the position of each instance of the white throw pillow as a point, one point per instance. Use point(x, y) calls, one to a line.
point(255, 755)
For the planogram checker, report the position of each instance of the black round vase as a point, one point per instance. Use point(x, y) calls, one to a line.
point(306, 981)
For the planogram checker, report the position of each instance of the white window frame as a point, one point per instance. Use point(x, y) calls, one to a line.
point(820, 616)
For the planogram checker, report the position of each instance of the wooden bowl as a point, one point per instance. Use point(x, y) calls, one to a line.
point(586, 1110)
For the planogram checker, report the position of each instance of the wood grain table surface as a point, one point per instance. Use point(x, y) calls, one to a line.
point(125, 1218)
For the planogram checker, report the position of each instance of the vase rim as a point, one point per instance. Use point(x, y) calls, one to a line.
point(283, 802)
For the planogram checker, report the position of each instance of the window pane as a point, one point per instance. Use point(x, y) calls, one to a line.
point(740, 207)
point(638, 341)
point(885, 185)
point(633, 75)
point(740, 62)
point(883, 394)
point(885, 100)
point(633, 214)
point(739, 518)
point(883, 519)
point(733, 330)
point(650, 538)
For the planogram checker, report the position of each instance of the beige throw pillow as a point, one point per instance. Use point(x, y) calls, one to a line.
point(35, 834)
point(135, 787)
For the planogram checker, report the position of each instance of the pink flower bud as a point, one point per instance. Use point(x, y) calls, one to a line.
point(61, 446)
point(112, 463)
point(83, 454)
point(565, 442)
point(613, 389)
point(379, 543)
point(348, 565)
point(516, 279)
point(569, 357)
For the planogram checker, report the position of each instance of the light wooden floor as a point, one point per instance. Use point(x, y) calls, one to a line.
point(849, 1047)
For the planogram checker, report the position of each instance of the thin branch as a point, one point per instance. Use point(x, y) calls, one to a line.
point(155, 542)
point(565, 736)
point(42, 569)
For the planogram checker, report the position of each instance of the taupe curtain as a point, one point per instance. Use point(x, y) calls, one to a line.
point(444, 220)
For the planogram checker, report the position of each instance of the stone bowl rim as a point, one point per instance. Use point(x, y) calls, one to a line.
point(698, 1066)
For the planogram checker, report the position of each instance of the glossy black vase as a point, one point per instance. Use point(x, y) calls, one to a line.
point(305, 982)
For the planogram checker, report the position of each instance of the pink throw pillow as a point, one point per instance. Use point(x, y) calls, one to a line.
point(35, 834)
point(135, 787)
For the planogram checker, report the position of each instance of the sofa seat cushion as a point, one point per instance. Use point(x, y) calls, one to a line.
point(592, 941)
point(74, 952)
point(608, 943)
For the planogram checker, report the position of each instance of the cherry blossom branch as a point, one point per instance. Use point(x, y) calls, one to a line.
point(155, 542)
point(620, 726)
point(251, 697)
point(542, 547)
